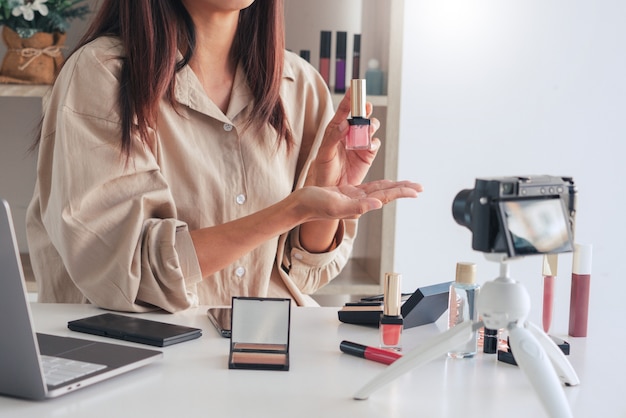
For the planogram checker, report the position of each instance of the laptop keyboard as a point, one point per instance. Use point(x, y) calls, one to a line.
point(59, 370)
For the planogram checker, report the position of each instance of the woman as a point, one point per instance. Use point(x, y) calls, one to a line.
point(185, 158)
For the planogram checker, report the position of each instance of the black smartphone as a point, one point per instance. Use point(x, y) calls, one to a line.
point(220, 318)
point(131, 328)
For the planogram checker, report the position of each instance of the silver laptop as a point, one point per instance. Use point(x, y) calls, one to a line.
point(39, 366)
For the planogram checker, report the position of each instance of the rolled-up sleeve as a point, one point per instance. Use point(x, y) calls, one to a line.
point(310, 271)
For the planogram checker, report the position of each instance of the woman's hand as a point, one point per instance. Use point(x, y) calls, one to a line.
point(220, 245)
point(350, 202)
point(336, 166)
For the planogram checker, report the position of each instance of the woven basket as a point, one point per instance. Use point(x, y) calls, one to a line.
point(34, 60)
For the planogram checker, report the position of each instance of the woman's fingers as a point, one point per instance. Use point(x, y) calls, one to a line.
point(374, 195)
point(337, 128)
point(369, 108)
point(387, 190)
point(374, 126)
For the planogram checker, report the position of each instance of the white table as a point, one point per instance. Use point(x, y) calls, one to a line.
point(193, 379)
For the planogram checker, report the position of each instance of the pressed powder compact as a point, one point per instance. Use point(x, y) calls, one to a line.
point(260, 333)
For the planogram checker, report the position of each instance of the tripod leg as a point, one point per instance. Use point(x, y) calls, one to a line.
point(532, 359)
point(422, 354)
point(563, 367)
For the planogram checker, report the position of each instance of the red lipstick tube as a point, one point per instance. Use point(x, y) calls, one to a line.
point(370, 353)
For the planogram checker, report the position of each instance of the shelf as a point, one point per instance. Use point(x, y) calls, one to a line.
point(380, 24)
point(23, 90)
point(354, 279)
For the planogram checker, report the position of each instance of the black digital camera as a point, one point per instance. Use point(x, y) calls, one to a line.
point(519, 215)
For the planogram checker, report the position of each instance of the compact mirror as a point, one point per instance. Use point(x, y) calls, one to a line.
point(260, 333)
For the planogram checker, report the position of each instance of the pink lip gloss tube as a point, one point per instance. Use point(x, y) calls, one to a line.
point(579, 298)
point(550, 262)
point(359, 131)
point(325, 39)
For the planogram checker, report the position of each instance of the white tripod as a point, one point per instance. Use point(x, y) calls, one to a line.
point(502, 303)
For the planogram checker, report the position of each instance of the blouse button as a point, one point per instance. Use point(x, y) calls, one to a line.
point(228, 127)
point(240, 271)
point(240, 199)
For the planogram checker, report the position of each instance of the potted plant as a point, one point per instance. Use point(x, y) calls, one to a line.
point(34, 33)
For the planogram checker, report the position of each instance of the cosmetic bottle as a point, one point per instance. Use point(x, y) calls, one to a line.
point(490, 340)
point(391, 321)
point(462, 306)
point(325, 39)
point(550, 263)
point(579, 297)
point(340, 63)
point(356, 57)
point(359, 131)
point(305, 54)
point(374, 77)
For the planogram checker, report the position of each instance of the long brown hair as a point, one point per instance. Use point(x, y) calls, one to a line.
point(153, 31)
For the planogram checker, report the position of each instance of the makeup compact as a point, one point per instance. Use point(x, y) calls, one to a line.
point(260, 333)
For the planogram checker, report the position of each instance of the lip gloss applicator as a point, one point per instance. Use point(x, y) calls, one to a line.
point(579, 298)
point(370, 353)
point(359, 133)
point(550, 262)
point(325, 39)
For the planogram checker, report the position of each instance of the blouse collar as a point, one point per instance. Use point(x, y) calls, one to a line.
point(189, 92)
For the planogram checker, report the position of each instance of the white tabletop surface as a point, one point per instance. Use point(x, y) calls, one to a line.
point(193, 378)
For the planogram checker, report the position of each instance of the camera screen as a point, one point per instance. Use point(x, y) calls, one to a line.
point(536, 226)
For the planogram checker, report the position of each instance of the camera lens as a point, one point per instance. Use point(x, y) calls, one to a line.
point(462, 207)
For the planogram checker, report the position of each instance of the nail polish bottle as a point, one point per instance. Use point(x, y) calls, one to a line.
point(462, 306)
point(359, 131)
point(490, 341)
point(391, 321)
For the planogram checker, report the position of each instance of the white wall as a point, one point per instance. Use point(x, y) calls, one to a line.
point(495, 88)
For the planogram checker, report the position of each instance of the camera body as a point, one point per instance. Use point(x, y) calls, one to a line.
point(519, 216)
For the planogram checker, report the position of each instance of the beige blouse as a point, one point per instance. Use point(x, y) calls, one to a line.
point(117, 235)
